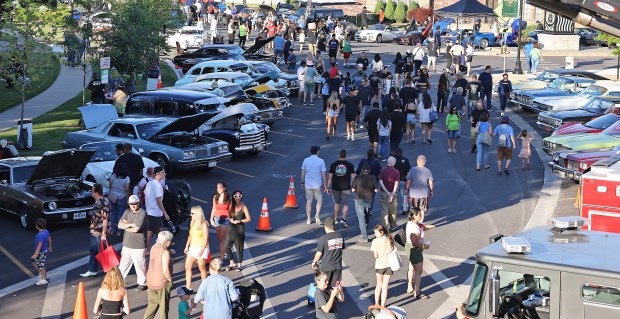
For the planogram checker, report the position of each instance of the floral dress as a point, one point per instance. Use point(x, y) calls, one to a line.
point(525, 146)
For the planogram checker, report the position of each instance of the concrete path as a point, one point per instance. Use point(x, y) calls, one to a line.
point(67, 85)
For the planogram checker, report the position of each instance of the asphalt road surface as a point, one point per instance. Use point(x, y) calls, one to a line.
point(468, 207)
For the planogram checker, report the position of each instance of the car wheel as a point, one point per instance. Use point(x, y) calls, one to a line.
point(379, 38)
point(25, 218)
point(162, 161)
point(484, 43)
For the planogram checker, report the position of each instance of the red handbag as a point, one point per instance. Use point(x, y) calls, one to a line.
point(107, 257)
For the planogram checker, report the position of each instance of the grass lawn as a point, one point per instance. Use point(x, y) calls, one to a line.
point(51, 128)
point(45, 68)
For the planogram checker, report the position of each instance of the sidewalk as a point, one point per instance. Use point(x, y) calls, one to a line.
point(590, 51)
point(67, 85)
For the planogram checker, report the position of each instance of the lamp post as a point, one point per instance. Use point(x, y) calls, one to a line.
point(518, 69)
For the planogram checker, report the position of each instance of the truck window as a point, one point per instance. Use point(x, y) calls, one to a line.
point(165, 108)
point(601, 294)
point(515, 288)
point(475, 293)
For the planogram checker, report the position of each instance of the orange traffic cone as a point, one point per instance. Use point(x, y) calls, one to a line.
point(79, 311)
point(159, 84)
point(263, 221)
point(291, 199)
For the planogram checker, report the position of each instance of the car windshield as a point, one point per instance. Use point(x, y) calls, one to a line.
point(613, 130)
point(475, 293)
point(547, 76)
point(562, 84)
point(602, 122)
point(235, 50)
point(263, 68)
point(376, 27)
point(198, 32)
point(148, 130)
point(103, 151)
point(21, 174)
point(592, 91)
point(300, 12)
point(597, 106)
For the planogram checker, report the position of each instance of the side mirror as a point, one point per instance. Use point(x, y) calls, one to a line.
point(494, 293)
point(141, 151)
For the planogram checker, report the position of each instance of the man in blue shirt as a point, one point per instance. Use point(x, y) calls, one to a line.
point(218, 293)
point(527, 49)
point(505, 144)
point(222, 6)
point(486, 82)
point(278, 47)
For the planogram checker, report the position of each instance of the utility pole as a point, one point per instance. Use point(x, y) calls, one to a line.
point(518, 69)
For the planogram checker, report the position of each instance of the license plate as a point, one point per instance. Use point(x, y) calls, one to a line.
point(80, 215)
point(212, 164)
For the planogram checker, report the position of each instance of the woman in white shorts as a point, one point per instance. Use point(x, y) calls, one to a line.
point(197, 246)
point(410, 111)
point(331, 116)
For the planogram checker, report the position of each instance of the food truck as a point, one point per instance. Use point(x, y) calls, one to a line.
point(599, 195)
point(559, 271)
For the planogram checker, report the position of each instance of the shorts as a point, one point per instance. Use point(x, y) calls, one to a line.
point(411, 119)
point(414, 254)
point(452, 134)
point(332, 113)
point(300, 85)
point(333, 53)
point(153, 223)
point(432, 60)
point(469, 58)
point(504, 152)
point(373, 136)
point(194, 252)
point(39, 260)
point(309, 86)
point(428, 124)
point(278, 53)
point(456, 60)
point(346, 55)
point(333, 276)
point(341, 197)
point(221, 221)
point(350, 118)
point(314, 193)
point(420, 203)
point(384, 271)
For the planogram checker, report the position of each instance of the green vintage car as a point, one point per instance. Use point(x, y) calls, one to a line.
point(605, 140)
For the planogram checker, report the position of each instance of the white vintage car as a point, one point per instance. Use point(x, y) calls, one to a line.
point(187, 37)
point(378, 33)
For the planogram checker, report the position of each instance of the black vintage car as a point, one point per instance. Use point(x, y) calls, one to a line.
point(597, 106)
point(173, 102)
point(48, 187)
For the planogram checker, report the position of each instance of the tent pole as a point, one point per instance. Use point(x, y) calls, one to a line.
point(518, 69)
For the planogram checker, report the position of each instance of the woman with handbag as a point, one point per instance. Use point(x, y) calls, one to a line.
point(219, 216)
point(197, 246)
point(426, 110)
point(119, 192)
point(414, 247)
point(483, 141)
point(112, 298)
point(381, 247)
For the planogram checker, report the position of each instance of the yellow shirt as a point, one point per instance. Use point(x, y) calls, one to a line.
point(198, 237)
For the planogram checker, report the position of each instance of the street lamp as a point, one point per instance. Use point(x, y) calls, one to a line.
point(518, 69)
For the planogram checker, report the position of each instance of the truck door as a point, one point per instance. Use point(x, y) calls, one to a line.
point(589, 297)
point(518, 283)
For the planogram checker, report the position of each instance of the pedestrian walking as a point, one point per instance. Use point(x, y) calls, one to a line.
point(302, 40)
point(133, 222)
point(231, 32)
point(243, 34)
point(409, 96)
point(486, 82)
point(364, 16)
point(458, 101)
point(370, 119)
point(364, 186)
point(443, 90)
point(313, 182)
point(352, 109)
point(300, 80)
point(448, 54)
point(432, 54)
point(196, 246)
point(134, 162)
point(381, 247)
point(328, 256)
point(153, 201)
point(402, 166)
point(424, 109)
point(310, 73)
point(184, 309)
point(414, 247)
point(333, 110)
point(469, 57)
point(453, 120)
point(418, 56)
point(524, 155)
point(239, 216)
point(333, 44)
point(99, 228)
point(457, 52)
point(483, 131)
point(399, 69)
point(376, 64)
point(341, 174)
point(346, 51)
point(326, 297)
point(159, 277)
point(219, 216)
point(409, 64)
point(535, 57)
point(384, 125)
point(473, 93)
point(118, 184)
point(420, 186)
point(505, 144)
point(217, 292)
point(112, 300)
point(474, 117)
point(42, 245)
point(527, 49)
point(504, 88)
point(278, 48)
point(389, 179)
point(398, 120)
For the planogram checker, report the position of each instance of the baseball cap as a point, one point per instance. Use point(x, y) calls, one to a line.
point(133, 199)
point(408, 51)
point(183, 291)
point(329, 222)
point(505, 118)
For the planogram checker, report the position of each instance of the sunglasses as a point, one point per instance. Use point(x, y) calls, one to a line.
point(237, 196)
point(130, 204)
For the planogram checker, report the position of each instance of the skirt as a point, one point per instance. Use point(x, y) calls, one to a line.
point(414, 254)
point(525, 153)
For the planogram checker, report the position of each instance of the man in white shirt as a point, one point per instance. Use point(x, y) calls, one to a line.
point(312, 179)
point(153, 199)
point(457, 51)
point(300, 79)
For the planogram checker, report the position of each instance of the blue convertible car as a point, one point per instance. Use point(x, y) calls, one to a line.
point(171, 142)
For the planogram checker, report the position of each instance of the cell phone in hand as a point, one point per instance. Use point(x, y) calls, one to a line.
point(429, 244)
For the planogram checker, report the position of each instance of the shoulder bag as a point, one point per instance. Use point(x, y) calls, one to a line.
point(394, 259)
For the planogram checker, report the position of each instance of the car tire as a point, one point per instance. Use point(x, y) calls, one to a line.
point(25, 218)
point(162, 161)
point(483, 44)
point(379, 38)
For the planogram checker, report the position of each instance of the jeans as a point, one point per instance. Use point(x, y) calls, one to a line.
point(503, 99)
point(365, 109)
point(528, 60)
point(403, 198)
point(482, 156)
point(116, 212)
point(388, 210)
point(395, 139)
point(487, 95)
point(363, 208)
point(442, 101)
point(93, 248)
point(384, 147)
point(535, 62)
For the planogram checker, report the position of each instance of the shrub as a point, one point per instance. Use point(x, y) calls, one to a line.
point(379, 6)
point(400, 15)
point(389, 10)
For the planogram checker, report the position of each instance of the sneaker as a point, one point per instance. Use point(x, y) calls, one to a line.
point(337, 221)
point(141, 288)
point(363, 240)
point(41, 282)
point(308, 221)
point(318, 220)
point(344, 223)
point(361, 126)
point(506, 172)
point(89, 274)
point(352, 137)
point(429, 141)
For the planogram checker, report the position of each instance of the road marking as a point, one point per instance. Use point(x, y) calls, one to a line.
point(447, 309)
point(233, 171)
point(250, 271)
point(270, 152)
point(353, 287)
point(294, 119)
point(456, 295)
point(54, 296)
point(16, 261)
point(289, 134)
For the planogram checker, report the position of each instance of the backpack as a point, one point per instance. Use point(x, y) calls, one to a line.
point(503, 140)
point(141, 190)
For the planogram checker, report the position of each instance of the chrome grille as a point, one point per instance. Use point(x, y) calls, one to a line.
point(202, 152)
point(541, 106)
point(252, 138)
point(549, 120)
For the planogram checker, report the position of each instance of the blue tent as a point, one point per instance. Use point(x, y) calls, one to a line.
point(466, 8)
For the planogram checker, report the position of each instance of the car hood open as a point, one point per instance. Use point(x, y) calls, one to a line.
point(95, 114)
point(61, 164)
point(184, 124)
point(267, 9)
point(234, 110)
point(262, 79)
point(257, 46)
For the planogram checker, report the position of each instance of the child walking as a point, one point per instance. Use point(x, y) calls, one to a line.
point(42, 245)
point(524, 155)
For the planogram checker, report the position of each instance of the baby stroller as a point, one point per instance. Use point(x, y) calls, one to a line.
point(251, 300)
point(391, 312)
point(176, 200)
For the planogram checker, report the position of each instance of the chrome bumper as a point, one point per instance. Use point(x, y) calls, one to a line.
point(252, 148)
point(565, 173)
point(546, 126)
point(210, 161)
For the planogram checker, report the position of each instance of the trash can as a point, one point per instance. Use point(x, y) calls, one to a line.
point(569, 62)
point(24, 137)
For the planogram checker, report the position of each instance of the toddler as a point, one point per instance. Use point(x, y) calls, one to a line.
point(525, 153)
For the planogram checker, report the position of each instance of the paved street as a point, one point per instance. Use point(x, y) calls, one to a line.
point(468, 207)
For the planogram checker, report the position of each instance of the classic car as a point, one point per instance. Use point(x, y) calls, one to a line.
point(545, 77)
point(213, 66)
point(46, 187)
point(171, 142)
point(555, 104)
point(187, 37)
point(173, 102)
point(562, 86)
point(378, 33)
point(284, 79)
point(479, 39)
point(573, 164)
point(315, 13)
point(245, 80)
point(231, 91)
point(597, 106)
point(596, 125)
point(267, 91)
point(605, 140)
point(99, 168)
point(235, 126)
point(587, 36)
point(412, 37)
point(218, 52)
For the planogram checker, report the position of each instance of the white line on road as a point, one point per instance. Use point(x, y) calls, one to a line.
point(250, 271)
point(447, 309)
point(289, 134)
point(54, 296)
point(270, 152)
point(233, 171)
point(16, 261)
point(361, 298)
point(294, 119)
point(456, 295)
point(200, 200)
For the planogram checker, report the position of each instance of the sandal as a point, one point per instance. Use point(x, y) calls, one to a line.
point(499, 173)
point(421, 296)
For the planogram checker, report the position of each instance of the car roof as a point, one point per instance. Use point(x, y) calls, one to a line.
point(20, 161)
point(174, 94)
point(222, 46)
point(573, 71)
point(576, 79)
point(609, 84)
point(191, 27)
point(218, 63)
point(223, 75)
point(141, 119)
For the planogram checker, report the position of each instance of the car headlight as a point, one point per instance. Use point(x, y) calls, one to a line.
point(107, 175)
point(52, 206)
point(237, 135)
point(189, 154)
point(223, 148)
point(267, 128)
point(556, 158)
point(583, 166)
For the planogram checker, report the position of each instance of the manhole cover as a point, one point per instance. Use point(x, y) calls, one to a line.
point(541, 193)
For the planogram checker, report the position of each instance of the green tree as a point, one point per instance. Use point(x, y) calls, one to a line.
point(400, 15)
point(380, 5)
point(138, 35)
point(413, 4)
point(611, 41)
point(389, 10)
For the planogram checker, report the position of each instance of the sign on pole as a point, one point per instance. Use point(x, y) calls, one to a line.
point(104, 76)
point(104, 63)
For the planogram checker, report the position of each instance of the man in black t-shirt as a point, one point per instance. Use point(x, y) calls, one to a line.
point(321, 44)
point(398, 126)
point(96, 88)
point(371, 119)
point(474, 118)
point(367, 94)
point(352, 108)
point(341, 174)
point(332, 45)
point(473, 93)
point(134, 163)
point(329, 252)
point(408, 93)
point(363, 60)
point(375, 81)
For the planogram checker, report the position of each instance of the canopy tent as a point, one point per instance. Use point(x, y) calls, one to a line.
point(466, 9)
